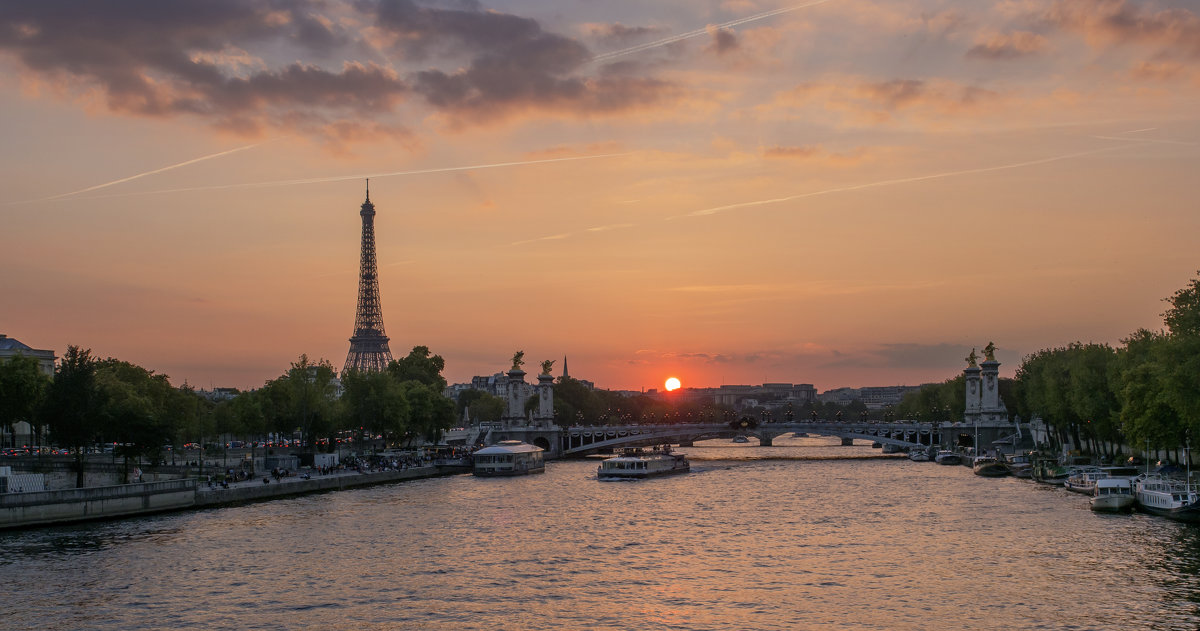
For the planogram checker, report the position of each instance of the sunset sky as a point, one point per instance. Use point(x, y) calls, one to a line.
point(843, 193)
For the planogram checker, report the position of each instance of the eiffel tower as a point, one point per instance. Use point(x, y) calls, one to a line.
point(369, 345)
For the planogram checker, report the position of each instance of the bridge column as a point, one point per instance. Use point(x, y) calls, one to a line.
point(765, 441)
point(686, 442)
point(846, 442)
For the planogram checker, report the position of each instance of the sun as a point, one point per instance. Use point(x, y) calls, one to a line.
point(672, 384)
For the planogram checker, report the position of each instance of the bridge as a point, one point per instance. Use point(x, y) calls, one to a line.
point(578, 441)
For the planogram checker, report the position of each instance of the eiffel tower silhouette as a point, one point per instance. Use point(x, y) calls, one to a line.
point(369, 350)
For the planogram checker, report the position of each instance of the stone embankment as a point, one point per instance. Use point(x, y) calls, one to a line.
point(19, 510)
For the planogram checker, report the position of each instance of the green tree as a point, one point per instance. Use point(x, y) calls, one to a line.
point(311, 396)
point(430, 412)
point(22, 391)
point(1183, 318)
point(420, 366)
point(480, 406)
point(73, 401)
point(374, 402)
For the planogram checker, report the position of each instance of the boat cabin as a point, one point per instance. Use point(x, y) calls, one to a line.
point(508, 457)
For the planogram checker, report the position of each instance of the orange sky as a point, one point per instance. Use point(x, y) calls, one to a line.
point(847, 193)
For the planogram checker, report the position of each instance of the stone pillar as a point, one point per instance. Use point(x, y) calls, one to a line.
point(545, 389)
point(973, 387)
point(765, 440)
point(516, 398)
point(990, 390)
point(846, 442)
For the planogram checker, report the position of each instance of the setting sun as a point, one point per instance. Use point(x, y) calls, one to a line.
point(672, 384)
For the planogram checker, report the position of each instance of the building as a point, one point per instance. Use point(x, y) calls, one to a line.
point(10, 347)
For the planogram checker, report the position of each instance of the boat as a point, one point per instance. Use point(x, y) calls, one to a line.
point(1168, 497)
point(1020, 465)
point(989, 467)
point(918, 454)
point(946, 456)
point(891, 449)
point(508, 457)
point(1084, 480)
point(1113, 495)
point(740, 439)
point(637, 463)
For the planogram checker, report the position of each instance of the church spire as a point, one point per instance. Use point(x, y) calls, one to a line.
point(565, 375)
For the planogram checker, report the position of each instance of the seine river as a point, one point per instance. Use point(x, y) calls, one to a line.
point(803, 535)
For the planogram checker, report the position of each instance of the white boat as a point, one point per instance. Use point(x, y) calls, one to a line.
point(635, 464)
point(508, 457)
point(918, 454)
point(1158, 494)
point(1113, 495)
point(946, 456)
point(1084, 480)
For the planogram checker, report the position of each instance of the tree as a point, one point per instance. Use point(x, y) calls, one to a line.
point(311, 395)
point(72, 404)
point(430, 412)
point(22, 391)
point(419, 366)
point(375, 402)
point(480, 406)
point(1183, 318)
point(137, 411)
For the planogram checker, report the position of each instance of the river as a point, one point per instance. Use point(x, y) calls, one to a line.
point(804, 534)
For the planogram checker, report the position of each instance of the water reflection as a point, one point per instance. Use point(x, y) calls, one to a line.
point(779, 540)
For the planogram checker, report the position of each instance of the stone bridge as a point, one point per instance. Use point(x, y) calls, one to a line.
point(578, 441)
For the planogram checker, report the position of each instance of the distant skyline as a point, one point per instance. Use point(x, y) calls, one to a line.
point(838, 192)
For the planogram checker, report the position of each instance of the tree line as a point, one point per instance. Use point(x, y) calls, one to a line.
point(1144, 391)
point(90, 401)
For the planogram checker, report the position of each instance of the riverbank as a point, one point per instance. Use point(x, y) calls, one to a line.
point(52, 508)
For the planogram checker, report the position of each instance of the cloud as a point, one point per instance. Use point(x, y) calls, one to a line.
point(220, 61)
point(723, 40)
point(190, 57)
point(901, 355)
point(1175, 31)
point(619, 35)
point(813, 152)
point(1008, 46)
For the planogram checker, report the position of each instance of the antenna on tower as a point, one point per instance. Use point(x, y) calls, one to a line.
point(368, 189)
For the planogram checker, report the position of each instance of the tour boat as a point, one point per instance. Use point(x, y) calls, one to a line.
point(636, 463)
point(946, 456)
point(509, 457)
point(989, 467)
point(1113, 495)
point(918, 454)
point(1160, 495)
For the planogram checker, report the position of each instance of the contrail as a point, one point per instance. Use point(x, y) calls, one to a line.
point(342, 178)
point(698, 32)
point(1146, 140)
point(141, 175)
point(920, 178)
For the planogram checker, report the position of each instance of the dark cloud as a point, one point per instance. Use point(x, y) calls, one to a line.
point(723, 41)
point(213, 59)
point(186, 57)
